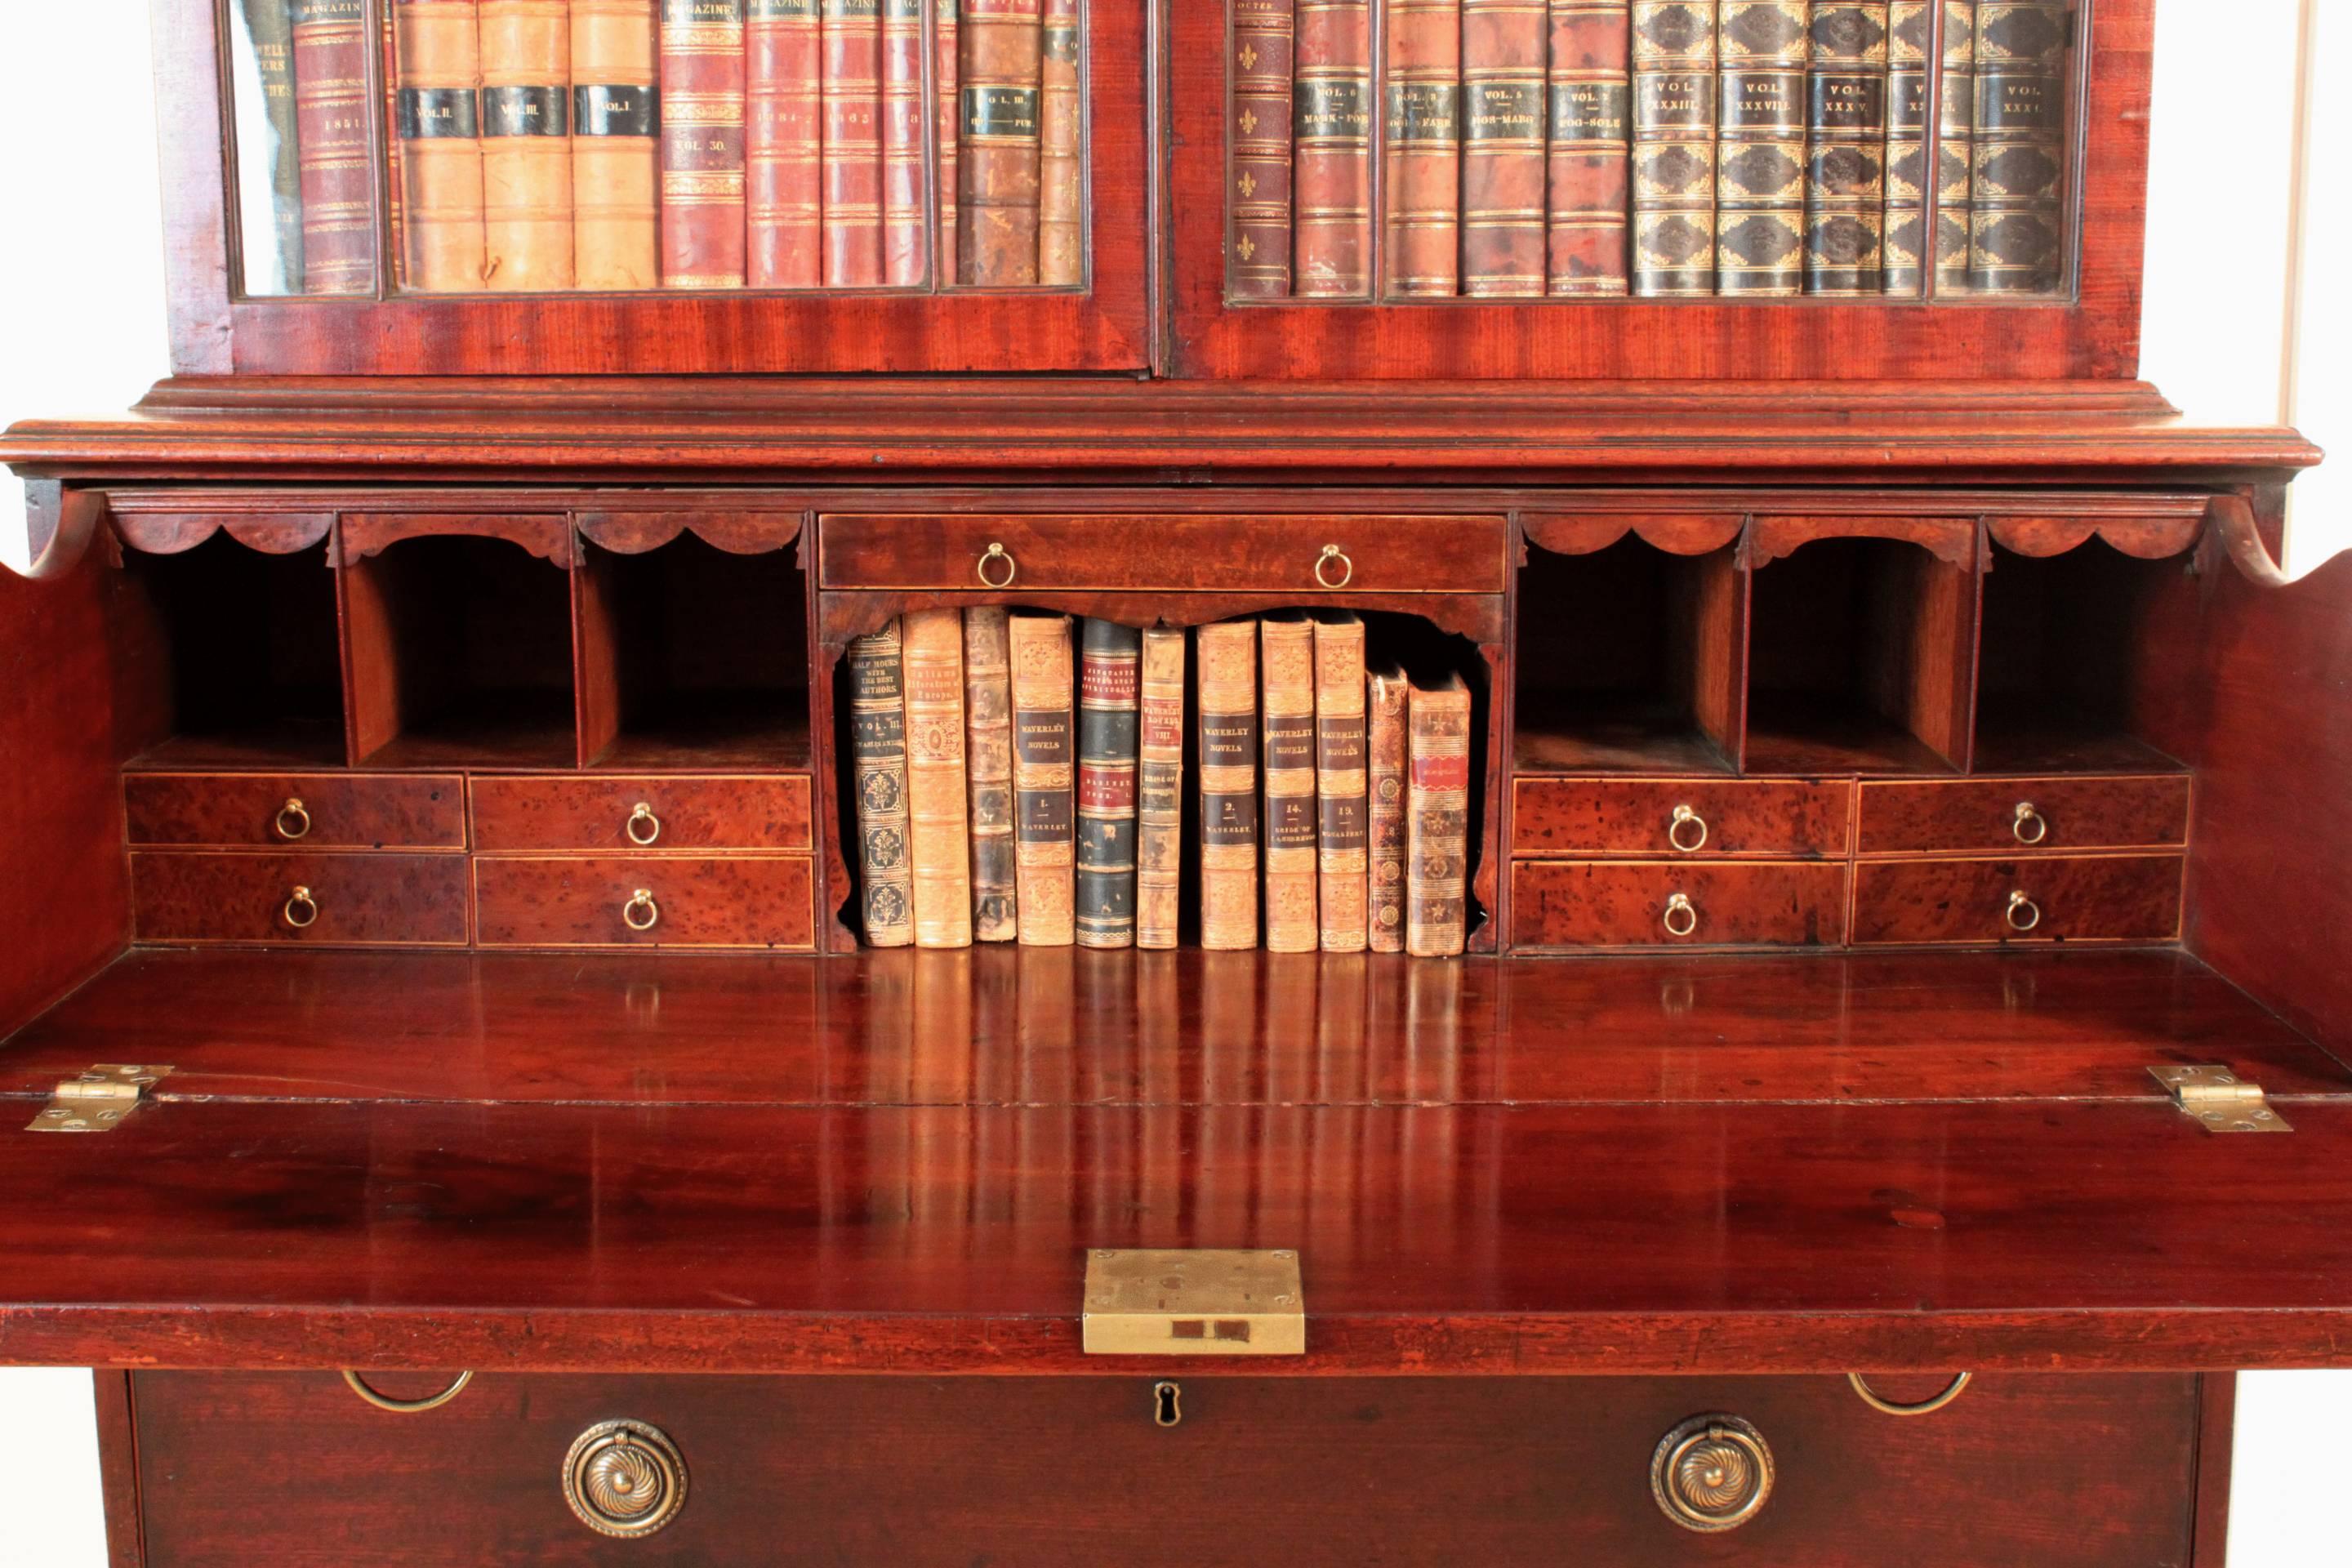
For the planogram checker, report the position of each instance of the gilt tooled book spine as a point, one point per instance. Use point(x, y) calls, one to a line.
point(1759, 224)
point(436, 117)
point(702, 218)
point(947, 59)
point(937, 807)
point(1422, 149)
point(852, 245)
point(1846, 172)
point(996, 208)
point(1437, 826)
point(1264, 61)
point(1331, 160)
point(1903, 242)
point(1226, 718)
point(784, 144)
point(877, 749)
point(1591, 124)
point(1061, 224)
point(1110, 692)
point(2017, 243)
point(1286, 721)
point(1956, 120)
point(527, 145)
point(1342, 830)
point(1674, 147)
point(331, 120)
point(270, 25)
point(1043, 779)
point(1385, 807)
point(1505, 50)
point(1159, 789)
point(988, 762)
point(906, 255)
point(616, 144)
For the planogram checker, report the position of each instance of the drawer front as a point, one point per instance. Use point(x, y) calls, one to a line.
point(640, 814)
point(1696, 818)
point(1632, 904)
point(291, 1469)
point(2099, 897)
point(391, 900)
point(694, 902)
point(1284, 555)
point(315, 811)
point(2005, 815)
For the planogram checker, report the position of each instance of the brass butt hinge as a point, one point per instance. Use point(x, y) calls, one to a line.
point(1193, 1302)
point(2220, 1099)
point(98, 1099)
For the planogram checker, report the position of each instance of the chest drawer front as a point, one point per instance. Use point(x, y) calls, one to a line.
point(634, 816)
point(315, 811)
point(1289, 556)
point(2023, 899)
point(2006, 815)
point(1678, 903)
point(1691, 817)
point(689, 901)
point(390, 901)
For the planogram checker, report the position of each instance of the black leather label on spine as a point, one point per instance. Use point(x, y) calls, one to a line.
point(1000, 112)
point(1763, 101)
point(526, 111)
point(1325, 108)
point(1058, 42)
point(1425, 114)
point(1592, 111)
point(1675, 101)
point(1229, 820)
point(616, 111)
point(427, 113)
point(1849, 101)
point(1503, 111)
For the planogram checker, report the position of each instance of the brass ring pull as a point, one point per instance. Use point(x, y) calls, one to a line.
point(2024, 913)
point(1887, 1406)
point(643, 899)
point(1712, 1473)
point(642, 817)
point(1686, 817)
point(407, 1407)
point(300, 899)
point(624, 1480)
point(1679, 907)
point(997, 553)
point(296, 812)
point(1322, 563)
point(2026, 814)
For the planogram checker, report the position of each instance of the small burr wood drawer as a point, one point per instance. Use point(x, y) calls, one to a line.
point(391, 900)
point(645, 900)
point(2020, 898)
point(1681, 903)
point(1695, 818)
point(634, 816)
point(2006, 815)
point(1296, 556)
point(316, 811)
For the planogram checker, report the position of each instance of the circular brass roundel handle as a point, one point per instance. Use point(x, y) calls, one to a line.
point(643, 826)
point(1927, 1407)
point(295, 814)
point(1681, 915)
point(1678, 830)
point(2027, 818)
point(625, 1478)
point(2024, 913)
point(407, 1406)
point(1323, 563)
point(996, 551)
point(641, 913)
point(1712, 1473)
point(299, 900)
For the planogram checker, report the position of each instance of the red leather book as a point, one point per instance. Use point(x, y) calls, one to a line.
point(1331, 161)
point(330, 118)
point(853, 143)
point(702, 144)
point(1504, 49)
point(945, 56)
point(1258, 264)
point(996, 210)
point(1061, 226)
point(1424, 153)
point(784, 144)
point(1591, 130)
point(904, 251)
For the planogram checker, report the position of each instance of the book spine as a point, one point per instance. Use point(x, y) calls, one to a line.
point(988, 750)
point(1903, 245)
point(1955, 119)
point(1591, 121)
point(1504, 53)
point(394, 165)
point(946, 57)
point(2017, 243)
point(996, 211)
point(1061, 223)
point(1760, 171)
point(784, 144)
point(1264, 46)
point(1385, 808)
point(878, 750)
point(1159, 789)
point(852, 219)
point(939, 827)
point(1042, 780)
point(1422, 149)
point(270, 24)
point(1846, 176)
point(1342, 830)
point(1437, 826)
point(1674, 147)
point(906, 255)
point(1110, 691)
point(331, 122)
point(436, 116)
point(526, 145)
point(1331, 163)
point(616, 146)
point(702, 144)
point(1226, 716)
point(1287, 717)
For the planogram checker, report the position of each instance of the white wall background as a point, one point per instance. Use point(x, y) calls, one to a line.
point(2237, 332)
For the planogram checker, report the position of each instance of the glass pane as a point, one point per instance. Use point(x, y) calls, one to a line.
point(2021, 66)
point(305, 194)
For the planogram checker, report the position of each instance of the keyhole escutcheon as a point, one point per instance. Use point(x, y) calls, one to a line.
point(1167, 1404)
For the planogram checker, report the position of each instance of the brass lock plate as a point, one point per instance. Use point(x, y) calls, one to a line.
point(1198, 1302)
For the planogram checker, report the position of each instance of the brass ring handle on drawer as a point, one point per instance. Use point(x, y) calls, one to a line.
point(300, 899)
point(642, 817)
point(1929, 1407)
point(1323, 563)
point(996, 551)
point(1680, 908)
point(2025, 814)
point(293, 811)
point(625, 1478)
point(2024, 913)
point(642, 899)
point(1712, 1473)
point(1685, 818)
point(407, 1407)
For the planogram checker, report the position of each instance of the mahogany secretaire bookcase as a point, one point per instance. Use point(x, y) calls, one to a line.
point(1898, 1071)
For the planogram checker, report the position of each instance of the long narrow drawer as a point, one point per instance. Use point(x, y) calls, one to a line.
point(640, 814)
point(645, 900)
point(1698, 816)
point(2051, 898)
point(316, 811)
point(2005, 815)
point(389, 900)
point(1677, 903)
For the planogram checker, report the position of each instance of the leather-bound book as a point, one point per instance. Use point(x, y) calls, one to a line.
point(988, 770)
point(1674, 147)
point(616, 146)
point(702, 220)
point(526, 145)
point(1286, 721)
point(1846, 172)
point(938, 822)
point(1385, 807)
point(1227, 716)
point(1159, 789)
point(1332, 159)
point(878, 752)
point(1591, 130)
point(783, 145)
point(1044, 778)
point(1061, 222)
point(904, 254)
point(1759, 169)
point(330, 122)
point(1504, 46)
point(1264, 39)
point(1109, 691)
point(396, 175)
point(2017, 242)
point(435, 114)
point(1956, 120)
point(852, 246)
point(269, 23)
point(1423, 149)
point(1342, 828)
point(996, 209)
point(1437, 824)
point(947, 62)
point(1903, 234)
